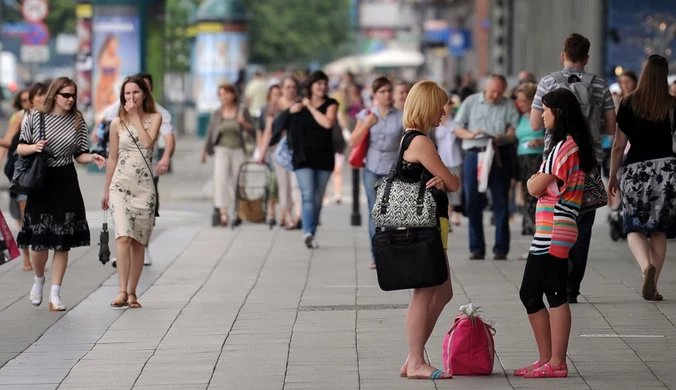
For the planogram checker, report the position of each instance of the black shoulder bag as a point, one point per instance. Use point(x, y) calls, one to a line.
point(30, 171)
point(409, 257)
point(150, 169)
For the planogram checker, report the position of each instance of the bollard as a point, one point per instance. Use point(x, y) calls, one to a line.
point(356, 215)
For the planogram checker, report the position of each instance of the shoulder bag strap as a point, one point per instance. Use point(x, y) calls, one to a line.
point(42, 133)
point(405, 142)
point(150, 169)
point(393, 173)
point(559, 77)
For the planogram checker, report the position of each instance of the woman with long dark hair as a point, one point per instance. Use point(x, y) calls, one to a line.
point(648, 180)
point(57, 223)
point(311, 133)
point(130, 191)
point(559, 186)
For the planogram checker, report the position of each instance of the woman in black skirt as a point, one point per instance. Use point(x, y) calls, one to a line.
point(648, 178)
point(55, 218)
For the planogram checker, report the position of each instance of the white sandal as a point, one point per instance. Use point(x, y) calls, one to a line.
point(56, 306)
point(36, 299)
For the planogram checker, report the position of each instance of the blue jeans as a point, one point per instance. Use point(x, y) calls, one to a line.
point(580, 251)
point(370, 180)
point(312, 183)
point(498, 184)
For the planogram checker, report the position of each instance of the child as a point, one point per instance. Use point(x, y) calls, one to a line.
point(558, 185)
point(451, 155)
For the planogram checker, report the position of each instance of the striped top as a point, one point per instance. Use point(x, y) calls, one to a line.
point(64, 142)
point(557, 210)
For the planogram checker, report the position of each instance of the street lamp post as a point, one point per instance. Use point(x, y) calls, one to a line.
point(355, 219)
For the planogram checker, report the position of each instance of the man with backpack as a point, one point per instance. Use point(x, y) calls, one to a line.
point(597, 105)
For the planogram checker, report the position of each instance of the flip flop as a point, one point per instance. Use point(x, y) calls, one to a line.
point(435, 375)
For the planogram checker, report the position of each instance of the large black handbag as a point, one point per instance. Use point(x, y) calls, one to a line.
point(409, 258)
point(30, 171)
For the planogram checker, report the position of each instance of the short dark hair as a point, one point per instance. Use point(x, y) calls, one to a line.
point(16, 103)
point(576, 48)
point(37, 89)
point(631, 74)
point(379, 83)
point(500, 78)
point(314, 77)
point(147, 76)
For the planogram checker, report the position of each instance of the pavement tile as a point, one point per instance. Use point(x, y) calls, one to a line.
point(297, 319)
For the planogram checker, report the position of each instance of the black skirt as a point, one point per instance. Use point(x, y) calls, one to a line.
point(55, 219)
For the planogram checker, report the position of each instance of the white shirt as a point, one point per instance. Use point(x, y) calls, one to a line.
point(449, 148)
point(165, 129)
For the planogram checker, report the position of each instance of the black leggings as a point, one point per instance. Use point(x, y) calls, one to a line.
point(544, 274)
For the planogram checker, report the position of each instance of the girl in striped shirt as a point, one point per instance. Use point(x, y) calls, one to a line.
point(558, 185)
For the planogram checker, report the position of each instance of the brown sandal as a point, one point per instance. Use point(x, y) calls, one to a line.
point(224, 218)
point(120, 302)
point(133, 304)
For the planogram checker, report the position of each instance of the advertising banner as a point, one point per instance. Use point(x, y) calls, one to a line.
point(83, 60)
point(217, 58)
point(116, 52)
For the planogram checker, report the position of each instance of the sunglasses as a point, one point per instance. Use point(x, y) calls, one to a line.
point(67, 95)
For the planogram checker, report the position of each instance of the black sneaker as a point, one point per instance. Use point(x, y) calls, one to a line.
point(309, 240)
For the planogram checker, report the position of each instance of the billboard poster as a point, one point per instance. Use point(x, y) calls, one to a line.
point(116, 53)
point(217, 58)
point(83, 60)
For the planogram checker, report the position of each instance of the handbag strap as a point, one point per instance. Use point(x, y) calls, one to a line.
point(41, 133)
point(138, 147)
point(394, 172)
point(144, 159)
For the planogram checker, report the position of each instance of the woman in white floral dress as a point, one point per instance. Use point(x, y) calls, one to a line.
point(130, 191)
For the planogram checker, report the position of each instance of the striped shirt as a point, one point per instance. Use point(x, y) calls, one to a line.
point(557, 210)
point(601, 93)
point(64, 142)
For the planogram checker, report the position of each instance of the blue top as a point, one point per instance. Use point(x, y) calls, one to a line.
point(384, 139)
point(524, 134)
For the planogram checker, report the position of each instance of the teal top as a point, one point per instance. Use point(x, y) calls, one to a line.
point(524, 135)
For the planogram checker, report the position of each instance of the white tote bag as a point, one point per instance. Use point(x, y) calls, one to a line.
point(483, 167)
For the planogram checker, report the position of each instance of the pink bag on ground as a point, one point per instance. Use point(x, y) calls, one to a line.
point(468, 347)
point(8, 245)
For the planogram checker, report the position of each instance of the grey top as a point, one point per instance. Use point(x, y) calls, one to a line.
point(477, 114)
point(384, 139)
point(601, 93)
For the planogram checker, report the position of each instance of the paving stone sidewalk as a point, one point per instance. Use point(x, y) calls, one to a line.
point(252, 308)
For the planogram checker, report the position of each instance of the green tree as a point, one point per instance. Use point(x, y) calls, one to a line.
point(297, 32)
point(177, 49)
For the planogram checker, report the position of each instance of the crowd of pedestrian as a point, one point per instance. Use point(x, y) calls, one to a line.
point(542, 144)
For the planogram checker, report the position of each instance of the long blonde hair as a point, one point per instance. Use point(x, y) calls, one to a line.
point(423, 105)
point(50, 99)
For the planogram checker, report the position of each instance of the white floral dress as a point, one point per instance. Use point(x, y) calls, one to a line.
point(132, 192)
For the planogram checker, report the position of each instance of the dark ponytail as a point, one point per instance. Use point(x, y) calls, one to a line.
point(570, 121)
